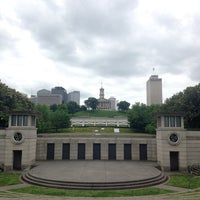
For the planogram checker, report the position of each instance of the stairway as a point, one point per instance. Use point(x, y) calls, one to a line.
point(194, 169)
point(28, 177)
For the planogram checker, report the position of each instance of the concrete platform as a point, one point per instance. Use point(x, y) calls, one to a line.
point(94, 175)
point(95, 171)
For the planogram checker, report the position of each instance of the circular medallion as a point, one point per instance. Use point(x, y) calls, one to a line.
point(174, 139)
point(18, 138)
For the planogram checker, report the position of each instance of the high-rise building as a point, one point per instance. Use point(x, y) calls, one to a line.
point(45, 97)
point(43, 92)
point(61, 91)
point(74, 96)
point(154, 90)
point(113, 104)
point(49, 99)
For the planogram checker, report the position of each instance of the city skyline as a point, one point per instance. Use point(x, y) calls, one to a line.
point(144, 98)
point(57, 95)
point(79, 44)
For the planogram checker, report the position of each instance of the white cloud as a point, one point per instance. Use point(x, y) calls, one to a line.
point(78, 44)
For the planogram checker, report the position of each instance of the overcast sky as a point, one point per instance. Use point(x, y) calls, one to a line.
point(77, 44)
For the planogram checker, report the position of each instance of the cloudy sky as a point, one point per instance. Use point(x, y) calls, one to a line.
point(78, 44)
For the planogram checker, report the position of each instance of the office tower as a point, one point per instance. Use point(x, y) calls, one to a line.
point(154, 90)
point(74, 96)
point(60, 91)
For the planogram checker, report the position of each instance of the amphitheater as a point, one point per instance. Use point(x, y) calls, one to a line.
point(95, 161)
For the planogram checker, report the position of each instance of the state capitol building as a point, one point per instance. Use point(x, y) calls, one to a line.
point(105, 104)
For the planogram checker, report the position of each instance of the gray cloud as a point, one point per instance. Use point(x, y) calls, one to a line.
point(80, 25)
point(110, 39)
point(61, 29)
point(6, 40)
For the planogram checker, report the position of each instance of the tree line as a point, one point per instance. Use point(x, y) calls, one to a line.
point(56, 117)
point(92, 104)
point(11, 100)
point(141, 117)
point(52, 117)
point(187, 102)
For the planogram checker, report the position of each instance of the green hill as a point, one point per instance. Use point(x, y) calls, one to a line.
point(100, 113)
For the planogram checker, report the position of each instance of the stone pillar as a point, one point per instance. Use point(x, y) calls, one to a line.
point(119, 151)
point(73, 150)
point(104, 150)
point(89, 151)
point(135, 151)
point(58, 150)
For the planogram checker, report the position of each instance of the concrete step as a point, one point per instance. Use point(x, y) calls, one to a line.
point(28, 177)
point(195, 169)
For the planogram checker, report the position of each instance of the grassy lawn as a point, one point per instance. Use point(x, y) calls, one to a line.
point(9, 179)
point(100, 113)
point(100, 130)
point(13, 178)
point(91, 193)
point(185, 181)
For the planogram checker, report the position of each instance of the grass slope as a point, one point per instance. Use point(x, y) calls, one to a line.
point(188, 181)
point(9, 179)
point(95, 130)
point(91, 193)
point(100, 113)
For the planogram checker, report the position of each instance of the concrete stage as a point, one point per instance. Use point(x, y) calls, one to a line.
point(101, 173)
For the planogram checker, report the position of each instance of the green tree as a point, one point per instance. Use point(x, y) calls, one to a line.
point(54, 107)
point(73, 107)
point(142, 117)
point(123, 106)
point(62, 107)
point(91, 103)
point(3, 120)
point(188, 102)
point(11, 100)
point(83, 108)
point(60, 119)
point(44, 118)
point(49, 119)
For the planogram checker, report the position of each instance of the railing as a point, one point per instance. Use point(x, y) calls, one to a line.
point(194, 169)
point(102, 122)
